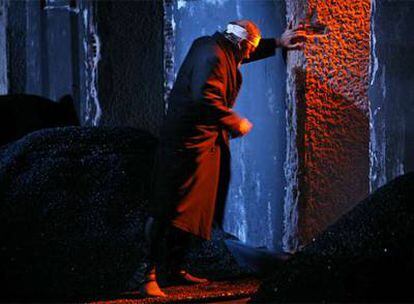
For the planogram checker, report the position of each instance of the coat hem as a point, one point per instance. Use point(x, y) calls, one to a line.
point(184, 227)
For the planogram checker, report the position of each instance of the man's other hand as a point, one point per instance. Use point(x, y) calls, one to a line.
point(242, 128)
point(245, 126)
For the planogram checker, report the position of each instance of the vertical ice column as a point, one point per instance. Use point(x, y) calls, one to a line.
point(169, 49)
point(296, 75)
point(92, 54)
point(391, 94)
point(377, 143)
point(3, 48)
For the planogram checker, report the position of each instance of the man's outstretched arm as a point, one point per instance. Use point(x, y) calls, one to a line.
point(266, 48)
point(291, 39)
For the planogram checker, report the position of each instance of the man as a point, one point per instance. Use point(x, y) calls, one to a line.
point(193, 165)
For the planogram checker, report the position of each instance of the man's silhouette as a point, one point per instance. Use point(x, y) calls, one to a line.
point(193, 164)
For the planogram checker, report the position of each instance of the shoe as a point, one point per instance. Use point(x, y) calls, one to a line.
point(185, 278)
point(150, 287)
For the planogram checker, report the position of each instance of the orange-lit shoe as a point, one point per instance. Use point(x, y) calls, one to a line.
point(186, 278)
point(150, 287)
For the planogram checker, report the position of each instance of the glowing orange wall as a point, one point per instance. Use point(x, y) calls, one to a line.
point(328, 105)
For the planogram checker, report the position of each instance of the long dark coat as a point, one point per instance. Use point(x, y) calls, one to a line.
point(193, 165)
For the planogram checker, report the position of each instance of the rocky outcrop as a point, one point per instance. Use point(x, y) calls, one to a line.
point(367, 255)
point(73, 205)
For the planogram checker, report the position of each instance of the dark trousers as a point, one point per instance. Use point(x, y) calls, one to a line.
point(168, 245)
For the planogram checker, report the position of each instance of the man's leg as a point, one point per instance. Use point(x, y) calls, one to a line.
point(167, 247)
point(178, 242)
point(154, 235)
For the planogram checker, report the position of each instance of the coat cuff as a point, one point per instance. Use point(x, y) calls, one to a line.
point(278, 43)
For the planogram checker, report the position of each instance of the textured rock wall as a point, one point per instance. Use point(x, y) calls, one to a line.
point(130, 76)
point(330, 122)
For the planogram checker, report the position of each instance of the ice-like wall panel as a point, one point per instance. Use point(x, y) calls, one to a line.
point(391, 92)
point(255, 201)
point(130, 70)
point(4, 84)
point(16, 42)
point(89, 57)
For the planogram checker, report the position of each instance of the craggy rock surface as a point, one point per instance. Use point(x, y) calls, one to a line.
point(367, 255)
point(72, 214)
point(328, 103)
point(72, 210)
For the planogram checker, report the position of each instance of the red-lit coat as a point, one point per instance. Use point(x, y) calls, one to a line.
point(193, 163)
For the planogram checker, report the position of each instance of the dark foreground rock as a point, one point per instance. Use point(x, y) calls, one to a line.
point(214, 260)
point(72, 213)
point(366, 256)
point(72, 209)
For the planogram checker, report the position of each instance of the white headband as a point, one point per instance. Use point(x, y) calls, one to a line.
point(241, 32)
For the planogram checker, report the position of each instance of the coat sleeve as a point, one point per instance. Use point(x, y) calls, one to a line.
point(266, 48)
point(208, 89)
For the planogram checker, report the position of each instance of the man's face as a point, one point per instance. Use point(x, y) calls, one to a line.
point(247, 48)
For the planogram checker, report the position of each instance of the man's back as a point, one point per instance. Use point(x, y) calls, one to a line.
point(187, 101)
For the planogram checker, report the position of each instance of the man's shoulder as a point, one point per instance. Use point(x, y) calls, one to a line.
point(204, 40)
point(207, 46)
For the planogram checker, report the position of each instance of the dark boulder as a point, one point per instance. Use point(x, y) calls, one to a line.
point(214, 260)
point(73, 205)
point(21, 114)
point(366, 256)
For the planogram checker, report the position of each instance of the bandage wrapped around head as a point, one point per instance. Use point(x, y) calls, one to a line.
point(244, 30)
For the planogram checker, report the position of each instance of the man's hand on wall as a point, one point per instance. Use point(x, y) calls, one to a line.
point(292, 38)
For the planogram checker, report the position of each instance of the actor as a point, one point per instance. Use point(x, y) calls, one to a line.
point(193, 163)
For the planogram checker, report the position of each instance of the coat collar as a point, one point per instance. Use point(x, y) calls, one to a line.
point(235, 76)
point(227, 46)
